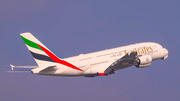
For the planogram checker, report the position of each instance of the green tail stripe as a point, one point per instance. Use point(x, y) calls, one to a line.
point(31, 44)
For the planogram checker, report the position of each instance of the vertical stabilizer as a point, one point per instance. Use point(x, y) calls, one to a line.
point(38, 50)
point(42, 55)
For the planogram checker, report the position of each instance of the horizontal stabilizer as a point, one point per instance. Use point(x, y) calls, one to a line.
point(44, 69)
point(17, 71)
point(12, 67)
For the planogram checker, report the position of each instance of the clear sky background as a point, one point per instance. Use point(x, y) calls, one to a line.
point(74, 27)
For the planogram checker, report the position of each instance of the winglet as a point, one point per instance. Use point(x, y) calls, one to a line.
point(12, 67)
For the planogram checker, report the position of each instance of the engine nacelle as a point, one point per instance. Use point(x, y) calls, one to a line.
point(144, 61)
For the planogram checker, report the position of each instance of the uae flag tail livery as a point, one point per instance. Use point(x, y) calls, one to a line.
point(42, 55)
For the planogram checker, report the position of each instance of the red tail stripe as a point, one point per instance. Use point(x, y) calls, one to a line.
point(56, 59)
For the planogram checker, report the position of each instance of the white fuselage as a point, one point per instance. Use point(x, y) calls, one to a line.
point(98, 62)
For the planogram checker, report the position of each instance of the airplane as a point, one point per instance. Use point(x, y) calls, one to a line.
point(101, 63)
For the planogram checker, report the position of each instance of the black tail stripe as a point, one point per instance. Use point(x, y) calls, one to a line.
point(41, 57)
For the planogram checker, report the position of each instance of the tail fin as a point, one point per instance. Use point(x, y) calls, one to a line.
point(42, 55)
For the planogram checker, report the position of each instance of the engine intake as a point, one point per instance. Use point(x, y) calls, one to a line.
point(143, 61)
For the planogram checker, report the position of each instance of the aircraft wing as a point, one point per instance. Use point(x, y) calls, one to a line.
point(124, 62)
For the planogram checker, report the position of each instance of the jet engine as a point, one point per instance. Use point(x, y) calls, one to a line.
point(143, 61)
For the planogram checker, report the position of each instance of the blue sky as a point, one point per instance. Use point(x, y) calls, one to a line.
point(73, 27)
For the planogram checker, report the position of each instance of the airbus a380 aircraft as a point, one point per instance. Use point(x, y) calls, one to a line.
point(101, 63)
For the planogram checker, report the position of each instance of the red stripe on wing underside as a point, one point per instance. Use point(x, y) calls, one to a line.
point(56, 59)
point(102, 74)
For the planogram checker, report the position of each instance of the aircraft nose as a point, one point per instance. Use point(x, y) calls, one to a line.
point(165, 51)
